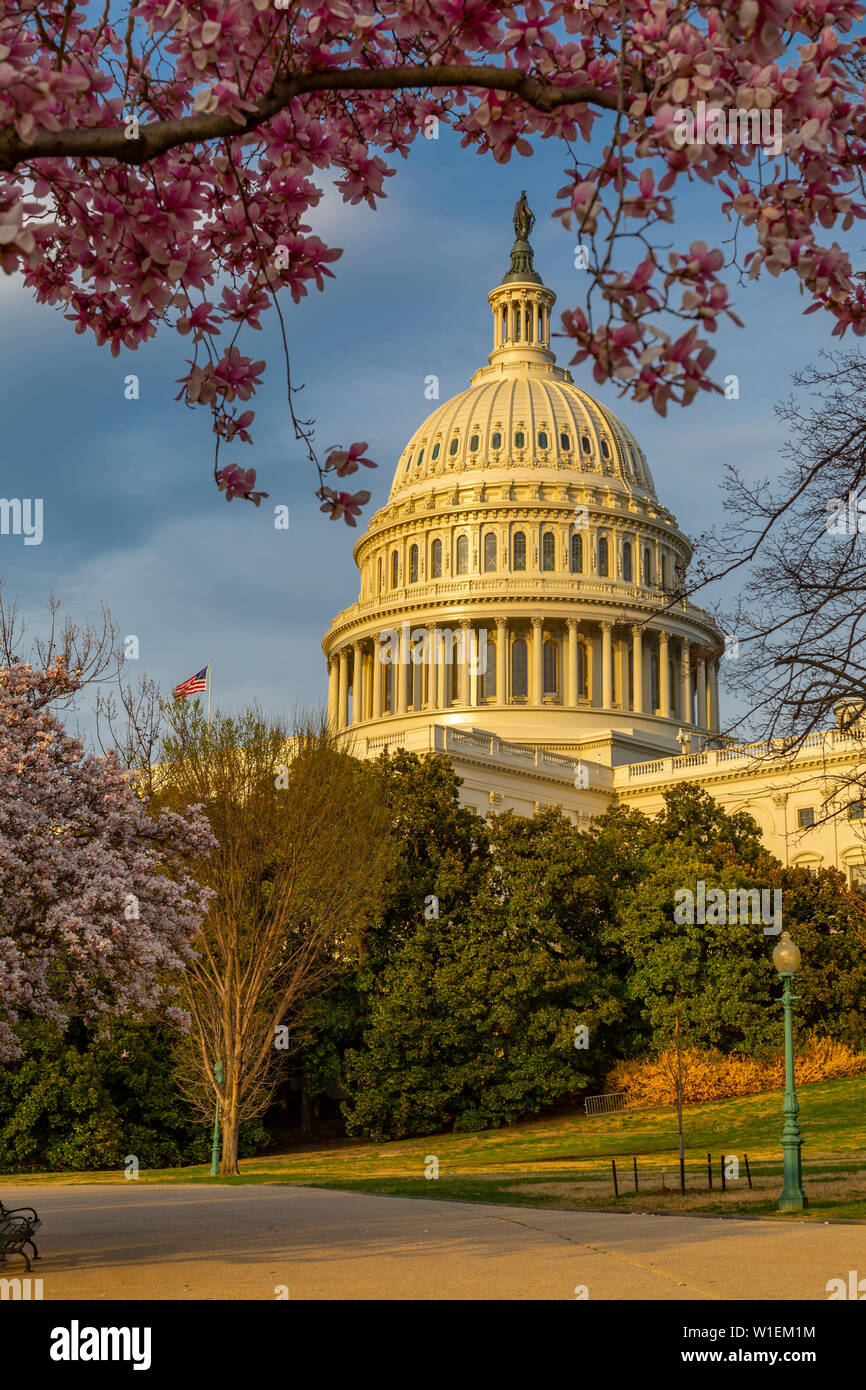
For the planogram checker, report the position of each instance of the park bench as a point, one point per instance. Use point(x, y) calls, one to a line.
point(17, 1229)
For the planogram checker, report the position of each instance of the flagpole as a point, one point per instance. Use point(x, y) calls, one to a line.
point(209, 684)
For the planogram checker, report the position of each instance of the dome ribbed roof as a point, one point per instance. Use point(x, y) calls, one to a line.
point(523, 421)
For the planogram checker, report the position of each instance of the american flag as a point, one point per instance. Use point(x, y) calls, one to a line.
point(193, 685)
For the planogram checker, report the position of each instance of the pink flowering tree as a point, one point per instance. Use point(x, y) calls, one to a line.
point(97, 906)
point(158, 163)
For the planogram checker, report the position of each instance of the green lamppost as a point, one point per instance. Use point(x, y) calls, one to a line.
point(786, 958)
point(215, 1150)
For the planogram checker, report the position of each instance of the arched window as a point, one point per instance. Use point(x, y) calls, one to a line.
point(452, 447)
point(413, 565)
point(564, 442)
point(489, 553)
point(518, 669)
point(605, 449)
point(647, 565)
point(519, 551)
point(517, 318)
point(582, 671)
point(505, 325)
point(542, 439)
point(496, 441)
point(409, 463)
point(395, 569)
point(577, 554)
point(473, 443)
point(436, 560)
point(626, 561)
point(420, 459)
point(528, 327)
point(388, 687)
point(585, 444)
point(435, 453)
point(548, 551)
point(488, 678)
point(379, 575)
point(519, 440)
point(463, 555)
point(603, 557)
point(550, 662)
point(541, 325)
point(664, 567)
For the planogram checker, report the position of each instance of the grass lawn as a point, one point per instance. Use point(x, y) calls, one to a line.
point(566, 1161)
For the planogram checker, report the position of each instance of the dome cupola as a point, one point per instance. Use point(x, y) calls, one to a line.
point(523, 518)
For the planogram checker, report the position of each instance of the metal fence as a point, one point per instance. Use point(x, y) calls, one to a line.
point(606, 1104)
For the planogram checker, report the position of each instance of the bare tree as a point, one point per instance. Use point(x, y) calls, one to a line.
point(798, 545)
point(302, 850)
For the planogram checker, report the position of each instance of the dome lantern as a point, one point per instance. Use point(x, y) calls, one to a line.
point(521, 304)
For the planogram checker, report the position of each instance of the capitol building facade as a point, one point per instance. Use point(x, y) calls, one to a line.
point(521, 610)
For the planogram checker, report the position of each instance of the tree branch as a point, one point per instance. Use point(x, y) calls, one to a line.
point(108, 142)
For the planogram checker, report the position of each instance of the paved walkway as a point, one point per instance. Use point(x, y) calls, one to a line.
point(193, 1242)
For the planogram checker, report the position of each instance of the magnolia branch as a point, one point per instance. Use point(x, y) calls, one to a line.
point(109, 142)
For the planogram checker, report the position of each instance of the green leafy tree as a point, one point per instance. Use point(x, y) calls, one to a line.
point(474, 1022)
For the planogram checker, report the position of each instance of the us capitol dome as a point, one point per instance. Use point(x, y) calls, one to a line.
point(517, 607)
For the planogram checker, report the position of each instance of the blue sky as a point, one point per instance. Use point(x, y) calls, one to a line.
point(131, 516)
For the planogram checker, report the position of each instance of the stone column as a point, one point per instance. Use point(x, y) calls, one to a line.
point(359, 713)
point(637, 668)
point(377, 678)
point(685, 683)
point(440, 669)
point(569, 685)
point(333, 690)
point(431, 667)
point(715, 713)
point(702, 693)
point(606, 663)
point(344, 688)
point(463, 686)
point(501, 661)
point(664, 677)
point(536, 684)
point(401, 673)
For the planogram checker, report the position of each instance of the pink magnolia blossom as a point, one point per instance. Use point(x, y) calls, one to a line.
point(245, 108)
point(98, 906)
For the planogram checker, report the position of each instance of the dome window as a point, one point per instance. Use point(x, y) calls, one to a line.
point(577, 554)
point(542, 439)
point(488, 680)
point(436, 560)
point(463, 555)
point(408, 463)
point(582, 671)
point(605, 449)
point(473, 443)
point(420, 459)
point(519, 551)
point(647, 566)
point(435, 453)
point(551, 668)
point(496, 441)
point(518, 669)
point(626, 562)
point(548, 551)
point(585, 444)
point(395, 569)
point(603, 558)
point(413, 565)
point(453, 447)
point(490, 553)
point(564, 442)
point(519, 439)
